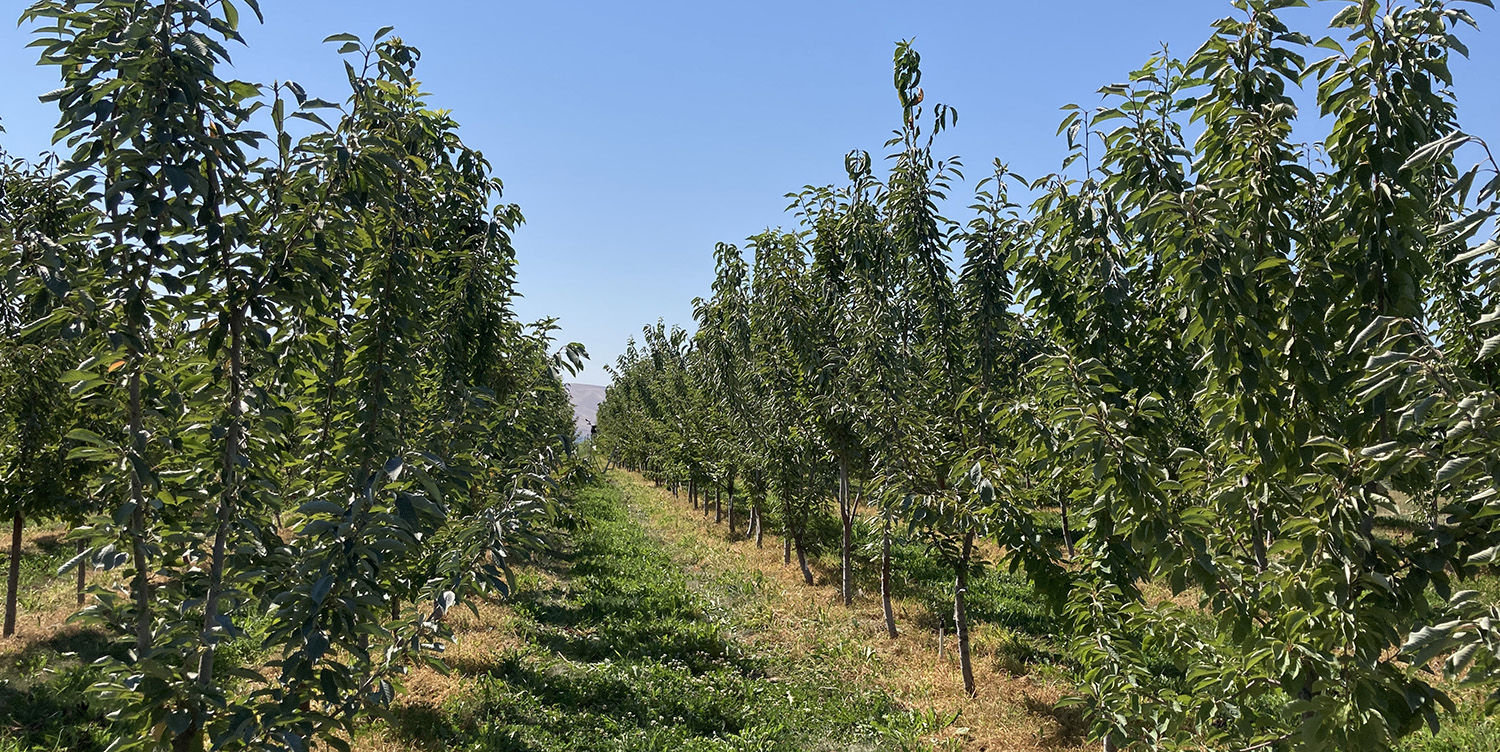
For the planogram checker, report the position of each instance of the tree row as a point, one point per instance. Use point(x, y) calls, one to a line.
point(1250, 379)
point(258, 350)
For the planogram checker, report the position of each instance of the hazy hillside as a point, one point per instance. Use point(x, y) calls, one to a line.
point(586, 399)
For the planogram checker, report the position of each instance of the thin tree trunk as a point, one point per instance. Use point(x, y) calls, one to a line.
point(1258, 537)
point(1062, 503)
point(718, 506)
point(759, 527)
point(13, 576)
point(885, 579)
point(141, 584)
point(846, 516)
point(82, 574)
point(802, 560)
point(960, 614)
point(228, 500)
point(693, 492)
point(729, 502)
point(325, 433)
point(786, 547)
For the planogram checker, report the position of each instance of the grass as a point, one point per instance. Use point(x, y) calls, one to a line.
point(767, 605)
point(1467, 730)
point(647, 630)
point(1015, 637)
point(44, 669)
point(615, 650)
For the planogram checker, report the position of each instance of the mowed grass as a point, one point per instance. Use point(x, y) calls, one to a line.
point(1020, 647)
point(614, 650)
point(768, 606)
point(648, 630)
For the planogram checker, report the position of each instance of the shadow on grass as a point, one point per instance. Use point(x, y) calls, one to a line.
point(1071, 729)
point(44, 691)
point(625, 602)
point(619, 654)
point(425, 727)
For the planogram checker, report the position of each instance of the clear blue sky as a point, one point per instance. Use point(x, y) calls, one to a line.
point(636, 135)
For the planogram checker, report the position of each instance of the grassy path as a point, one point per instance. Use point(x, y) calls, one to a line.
point(611, 647)
point(772, 612)
point(648, 630)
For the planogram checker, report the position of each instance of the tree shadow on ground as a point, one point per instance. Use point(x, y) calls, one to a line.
point(44, 691)
point(1068, 729)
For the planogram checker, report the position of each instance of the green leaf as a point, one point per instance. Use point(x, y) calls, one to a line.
point(74, 562)
point(1487, 556)
point(1271, 263)
point(319, 506)
point(1454, 468)
point(88, 437)
point(321, 589)
point(1490, 346)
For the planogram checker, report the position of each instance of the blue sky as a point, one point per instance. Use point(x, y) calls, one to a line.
point(636, 135)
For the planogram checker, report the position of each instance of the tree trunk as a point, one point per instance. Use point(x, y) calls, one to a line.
point(1258, 537)
point(846, 516)
point(718, 506)
point(729, 501)
point(960, 614)
point(885, 579)
point(759, 527)
point(1062, 503)
point(13, 577)
point(802, 560)
point(786, 547)
point(229, 498)
point(141, 584)
point(82, 574)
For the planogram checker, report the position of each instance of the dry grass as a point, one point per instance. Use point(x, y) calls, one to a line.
point(774, 611)
point(765, 603)
point(477, 638)
point(46, 602)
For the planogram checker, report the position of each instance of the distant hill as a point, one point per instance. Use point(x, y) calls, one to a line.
point(586, 399)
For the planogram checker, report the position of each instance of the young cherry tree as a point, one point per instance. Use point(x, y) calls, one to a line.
point(38, 228)
point(350, 289)
point(780, 352)
point(843, 229)
point(722, 344)
point(1258, 386)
